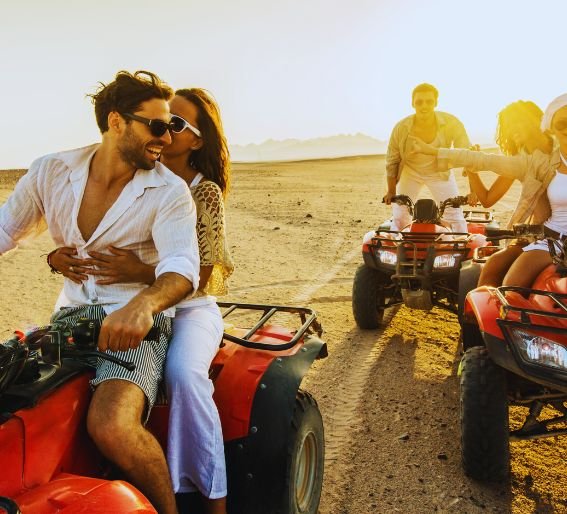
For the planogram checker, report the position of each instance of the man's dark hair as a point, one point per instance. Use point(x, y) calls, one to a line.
point(125, 94)
point(425, 88)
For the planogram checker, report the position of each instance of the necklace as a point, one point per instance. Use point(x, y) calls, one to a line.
point(563, 160)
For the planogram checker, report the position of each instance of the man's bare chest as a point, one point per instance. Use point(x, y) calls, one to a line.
point(96, 202)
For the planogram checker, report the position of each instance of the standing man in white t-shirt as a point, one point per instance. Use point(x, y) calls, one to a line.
point(407, 173)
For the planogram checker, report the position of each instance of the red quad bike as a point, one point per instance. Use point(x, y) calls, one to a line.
point(515, 353)
point(423, 265)
point(273, 431)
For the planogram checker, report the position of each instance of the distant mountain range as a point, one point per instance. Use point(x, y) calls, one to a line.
point(298, 149)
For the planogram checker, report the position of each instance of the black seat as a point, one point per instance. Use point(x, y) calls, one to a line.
point(426, 211)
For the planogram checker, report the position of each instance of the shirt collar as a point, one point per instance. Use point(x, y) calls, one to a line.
point(79, 160)
point(439, 115)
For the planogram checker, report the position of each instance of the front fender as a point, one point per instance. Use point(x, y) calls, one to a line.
point(256, 464)
point(484, 306)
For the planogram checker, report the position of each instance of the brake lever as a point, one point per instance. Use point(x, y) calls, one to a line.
point(68, 352)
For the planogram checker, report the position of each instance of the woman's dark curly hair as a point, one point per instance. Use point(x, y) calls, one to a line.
point(213, 158)
point(523, 111)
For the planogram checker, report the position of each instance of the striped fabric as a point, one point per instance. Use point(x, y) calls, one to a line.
point(149, 357)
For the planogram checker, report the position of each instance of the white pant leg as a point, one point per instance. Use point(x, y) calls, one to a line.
point(410, 184)
point(443, 189)
point(195, 451)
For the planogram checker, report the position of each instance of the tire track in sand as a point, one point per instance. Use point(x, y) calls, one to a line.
point(352, 355)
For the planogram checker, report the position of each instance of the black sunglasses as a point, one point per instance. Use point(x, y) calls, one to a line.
point(157, 127)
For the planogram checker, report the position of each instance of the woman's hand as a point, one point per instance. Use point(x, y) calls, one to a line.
point(120, 267)
point(417, 145)
point(472, 199)
point(64, 260)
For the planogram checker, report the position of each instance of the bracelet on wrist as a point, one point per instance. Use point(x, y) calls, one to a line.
point(48, 259)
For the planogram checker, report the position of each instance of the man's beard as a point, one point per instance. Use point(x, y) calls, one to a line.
point(132, 151)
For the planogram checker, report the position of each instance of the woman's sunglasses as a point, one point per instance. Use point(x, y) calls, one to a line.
point(159, 127)
point(178, 124)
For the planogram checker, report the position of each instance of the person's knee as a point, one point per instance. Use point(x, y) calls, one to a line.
point(115, 415)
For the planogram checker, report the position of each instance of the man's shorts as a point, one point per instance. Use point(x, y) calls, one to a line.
point(149, 357)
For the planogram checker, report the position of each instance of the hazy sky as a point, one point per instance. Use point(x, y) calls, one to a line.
point(293, 68)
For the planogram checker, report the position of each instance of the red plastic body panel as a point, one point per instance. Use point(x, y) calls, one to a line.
point(38, 443)
point(237, 373)
point(241, 372)
point(51, 465)
point(550, 280)
point(476, 228)
point(486, 309)
point(12, 451)
point(70, 494)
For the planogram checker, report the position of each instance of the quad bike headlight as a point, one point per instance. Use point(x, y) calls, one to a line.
point(387, 257)
point(447, 260)
point(540, 350)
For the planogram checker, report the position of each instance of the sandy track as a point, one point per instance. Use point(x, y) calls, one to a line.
point(389, 397)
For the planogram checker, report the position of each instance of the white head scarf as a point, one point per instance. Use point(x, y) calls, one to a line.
point(552, 108)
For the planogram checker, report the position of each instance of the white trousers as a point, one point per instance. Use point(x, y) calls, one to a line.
point(411, 183)
point(195, 450)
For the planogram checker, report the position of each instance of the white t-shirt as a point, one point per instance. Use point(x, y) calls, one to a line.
point(557, 194)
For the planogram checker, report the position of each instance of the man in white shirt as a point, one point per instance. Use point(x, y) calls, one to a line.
point(118, 194)
point(407, 173)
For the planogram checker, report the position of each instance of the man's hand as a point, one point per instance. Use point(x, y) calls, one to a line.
point(125, 328)
point(388, 197)
point(472, 199)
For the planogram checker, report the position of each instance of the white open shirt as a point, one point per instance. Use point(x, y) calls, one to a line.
point(154, 217)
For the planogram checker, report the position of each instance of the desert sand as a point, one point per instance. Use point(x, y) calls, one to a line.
point(389, 397)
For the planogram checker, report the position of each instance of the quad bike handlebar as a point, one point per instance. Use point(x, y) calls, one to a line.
point(519, 231)
point(52, 343)
point(455, 202)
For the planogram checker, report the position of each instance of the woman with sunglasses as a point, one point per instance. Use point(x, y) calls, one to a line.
point(543, 175)
point(518, 131)
point(198, 154)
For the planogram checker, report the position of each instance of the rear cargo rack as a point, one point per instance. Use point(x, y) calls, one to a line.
point(308, 317)
point(478, 216)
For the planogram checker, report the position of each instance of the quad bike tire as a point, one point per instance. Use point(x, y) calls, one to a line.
point(368, 297)
point(485, 434)
point(305, 458)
